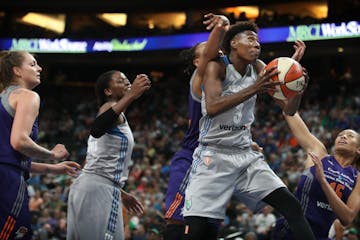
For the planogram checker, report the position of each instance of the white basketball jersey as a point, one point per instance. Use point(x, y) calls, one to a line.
point(110, 155)
point(232, 127)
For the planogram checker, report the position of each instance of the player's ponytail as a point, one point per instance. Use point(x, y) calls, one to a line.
point(188, 56)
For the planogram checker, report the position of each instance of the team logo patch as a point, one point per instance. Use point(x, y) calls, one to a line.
point(207, 160)
point(21, 232)
point(188, 204)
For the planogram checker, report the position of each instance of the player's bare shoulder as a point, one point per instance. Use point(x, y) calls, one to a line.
point(24, 95)
point(216, 67)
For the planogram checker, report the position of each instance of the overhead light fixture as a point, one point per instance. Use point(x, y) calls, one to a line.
point(53, 22)
point(251, 12)
point(114, 19)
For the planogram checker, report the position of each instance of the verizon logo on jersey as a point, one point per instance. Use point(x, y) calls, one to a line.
point(323, 205)
point(232, 127)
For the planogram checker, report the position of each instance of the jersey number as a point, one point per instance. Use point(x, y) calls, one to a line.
point(338, 188)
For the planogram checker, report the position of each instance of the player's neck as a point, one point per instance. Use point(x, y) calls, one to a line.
point(239, 64)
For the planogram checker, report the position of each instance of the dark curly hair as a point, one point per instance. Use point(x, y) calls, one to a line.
point(235, 29)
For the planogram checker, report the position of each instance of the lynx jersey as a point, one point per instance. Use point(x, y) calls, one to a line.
point(110, 155)
point(232, 127)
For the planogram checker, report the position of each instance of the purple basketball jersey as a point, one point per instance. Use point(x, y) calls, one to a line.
point(313, 200)
point(190, 140)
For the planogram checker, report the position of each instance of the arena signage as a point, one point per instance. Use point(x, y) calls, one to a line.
point(324, 31)
point(311, 32)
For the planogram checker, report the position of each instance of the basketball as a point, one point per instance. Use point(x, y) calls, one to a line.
point(291, 78)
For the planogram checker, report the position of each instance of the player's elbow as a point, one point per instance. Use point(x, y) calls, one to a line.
point(345, 222)
point(348, 219)
point(212, 111)
point(96, 134)
point(18, 143)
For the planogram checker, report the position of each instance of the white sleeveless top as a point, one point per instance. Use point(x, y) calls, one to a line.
point(110, 155)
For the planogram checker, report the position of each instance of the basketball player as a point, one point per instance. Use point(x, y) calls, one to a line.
point(224, 160)
point(19, 109)
point(329, 188)
point(181, 161)
point(96, 198)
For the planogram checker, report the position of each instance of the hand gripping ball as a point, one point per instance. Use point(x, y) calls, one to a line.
point(291, 78)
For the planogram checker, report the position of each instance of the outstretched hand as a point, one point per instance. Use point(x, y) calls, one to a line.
point(216, 20)
point(131, 203)
point(299, 47)
point(319, 171)
point(67, 167)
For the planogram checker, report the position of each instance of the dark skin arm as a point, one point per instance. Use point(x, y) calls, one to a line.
point(219, 24)
point(215, 74)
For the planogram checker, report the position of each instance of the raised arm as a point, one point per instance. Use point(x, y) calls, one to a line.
point(299, 47)
point(109, 113)
point(219, 24)
point(304, 137)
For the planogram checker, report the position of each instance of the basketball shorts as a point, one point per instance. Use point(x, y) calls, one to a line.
point(217, 174)
point(94, 209)
point(15, 218)
point(179, 175)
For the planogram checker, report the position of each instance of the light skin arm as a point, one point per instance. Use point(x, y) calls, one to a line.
point(219, 25)
point(345, 212)
point(304, 137)
point(66, 167)
point(26, 104)
point(339, 230)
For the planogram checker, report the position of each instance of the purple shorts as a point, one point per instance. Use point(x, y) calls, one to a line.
point(15, 219)
point(179, 175)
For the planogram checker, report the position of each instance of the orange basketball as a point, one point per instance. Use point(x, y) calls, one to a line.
point(291, 78)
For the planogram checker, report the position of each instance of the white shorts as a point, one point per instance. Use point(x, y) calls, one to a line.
point(94, 209)
point(217, 174)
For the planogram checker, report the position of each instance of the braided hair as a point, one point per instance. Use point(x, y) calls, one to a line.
point(188, 56)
